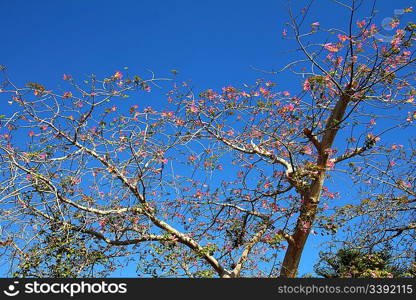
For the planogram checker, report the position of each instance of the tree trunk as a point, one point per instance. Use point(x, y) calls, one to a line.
point(312, 195)
point(303, 228)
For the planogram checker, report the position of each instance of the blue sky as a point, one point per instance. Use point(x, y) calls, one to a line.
point(213, 43)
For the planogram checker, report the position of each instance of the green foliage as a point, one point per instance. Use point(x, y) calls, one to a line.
point(208, 250)
point(59, 253)
point(346, 263)
point(318, 82)
point(208, 273)
point(35, 86)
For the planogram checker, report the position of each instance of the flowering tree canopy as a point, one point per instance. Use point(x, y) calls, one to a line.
point(222, 183)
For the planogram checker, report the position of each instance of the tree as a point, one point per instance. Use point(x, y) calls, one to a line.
point(385, 216)
point(148, 182)
point(64, 253)
point(352, 263)
point(351, 84)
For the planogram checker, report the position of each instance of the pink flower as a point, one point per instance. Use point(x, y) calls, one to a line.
point(198, 195)
point(361, 24)
point(67, 95)
point(118, 75)
point(193, 109)
point(42, 155)
point(371, 136)
point(244, 94)
point(289, 107)
point(284, 32)
point(342, 37)
point(192, 158)
point(395, 147)
point(67, 77)
point(330, 195)
point(392, 164)
point(404, 184)
point(264, 92)
point(331, 48)
point(286, 93)
point(338, 60)
point(179, 122)
point(305, 225)
point(31, 133)
point(315, 24)
point(229, 89)
point(394, 23)
point(306, 85)
point(169, 114)
point(256, 133)
point(397, 39)
point(330, 163)
point(307, 150)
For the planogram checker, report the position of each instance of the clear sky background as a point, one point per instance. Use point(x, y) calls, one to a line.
point(213, 43)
